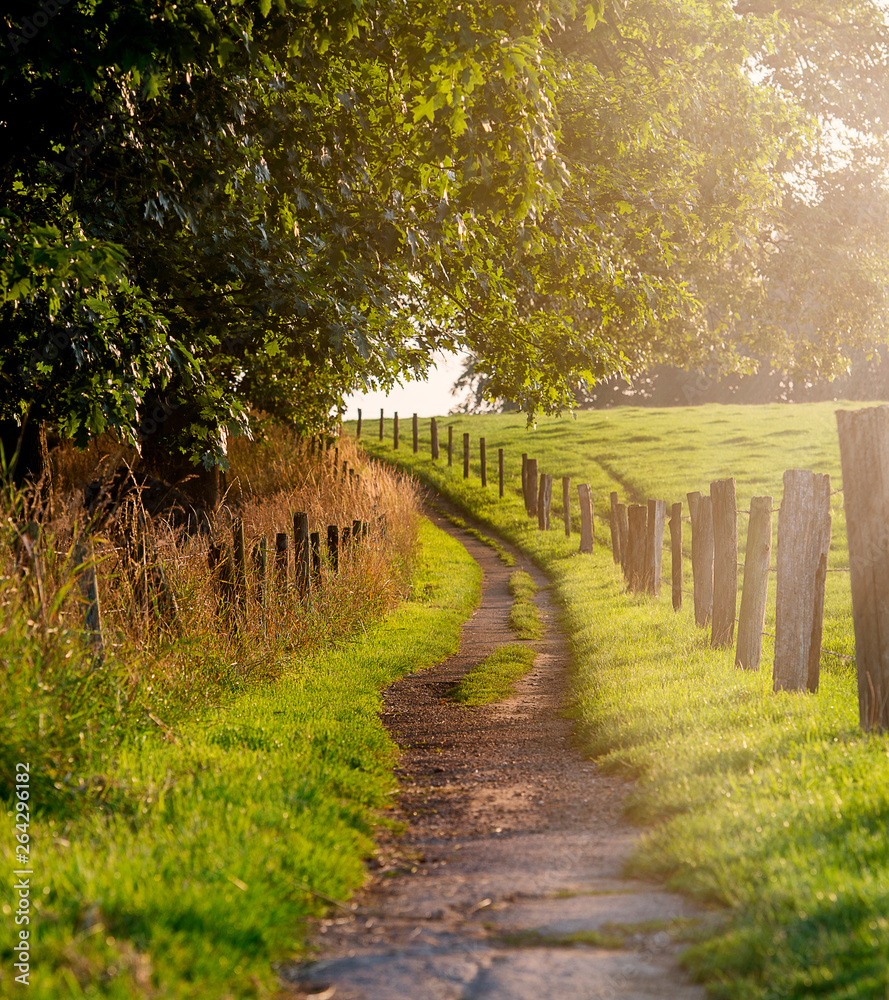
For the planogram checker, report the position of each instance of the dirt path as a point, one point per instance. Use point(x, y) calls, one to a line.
point(514, 848)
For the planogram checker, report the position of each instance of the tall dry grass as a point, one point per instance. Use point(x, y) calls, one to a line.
point(170, 641)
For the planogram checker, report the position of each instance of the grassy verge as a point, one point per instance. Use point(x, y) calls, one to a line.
point(225, 831)
point(524, 618)
point(494, 678)
point(773, 806)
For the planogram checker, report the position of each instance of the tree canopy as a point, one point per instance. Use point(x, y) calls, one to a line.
point(217, 209)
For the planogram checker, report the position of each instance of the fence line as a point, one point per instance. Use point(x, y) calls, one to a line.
point(803, 540)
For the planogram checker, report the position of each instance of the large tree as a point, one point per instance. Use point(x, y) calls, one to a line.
point(209, 209)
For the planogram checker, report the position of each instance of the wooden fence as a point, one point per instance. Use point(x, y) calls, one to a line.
point(637, 543)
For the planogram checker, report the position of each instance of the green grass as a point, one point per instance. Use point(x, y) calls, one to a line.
point(240, 822)
point(524, 617)
point(494, 678)
point(774, 807)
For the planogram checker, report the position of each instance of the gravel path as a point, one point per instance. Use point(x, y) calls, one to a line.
point(507, 884)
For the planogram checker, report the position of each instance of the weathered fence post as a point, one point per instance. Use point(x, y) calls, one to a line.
point(725, 562)
point(281, 559)
point(638, 530)
point(416, 432)
point(395, 431)
point(302, 560)
point(525, 480)
point(623, 525)
point(654, 545)
point(585, 502)
point(466, 456)
point(544, 501)
point(450, 445)
point(864, 452)
point(433, 433)
point(566, 504)
point(333, 546)
point(803, 543)
point(615, 529)
point(755, 589)
point(500, 469)
point(701, 511)
point(531, 489)
point(676, 554)
point(358, 428)
point(381, 425)
point(483, 458)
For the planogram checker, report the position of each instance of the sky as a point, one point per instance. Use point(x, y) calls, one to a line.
point(431, 398)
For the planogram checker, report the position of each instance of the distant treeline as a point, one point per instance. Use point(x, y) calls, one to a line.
point(664, 385)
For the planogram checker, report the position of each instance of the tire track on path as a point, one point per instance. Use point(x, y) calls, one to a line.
point(514, 847)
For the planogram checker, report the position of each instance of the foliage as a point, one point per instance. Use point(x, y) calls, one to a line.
point(264, 206)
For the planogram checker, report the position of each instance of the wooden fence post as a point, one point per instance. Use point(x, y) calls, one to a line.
point(500, 469)
point(525, 480)
point(358, 429)
point(395, 431)
point(566, 504)
point(302, 559)
point(531, 488)
point(281, 559)
point(676, 553)
point(433, 433)
point(654, 545)
point(450, 445)
point(416, 432)
point(381, 425)
point(755, 589)
point(623, 525)
point(585, 502)
point(864, 452)
point(638, 530)
point(615, 529)
point(466, 456)
point(803, 543)
point(544, 501)
point(483, 458)
point(725, 562)
point(333, 546)
point(701, 511)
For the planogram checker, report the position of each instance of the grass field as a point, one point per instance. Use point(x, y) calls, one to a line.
point(230, 828)
point(774, 807)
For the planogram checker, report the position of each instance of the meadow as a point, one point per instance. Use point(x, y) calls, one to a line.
point(770, 808)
